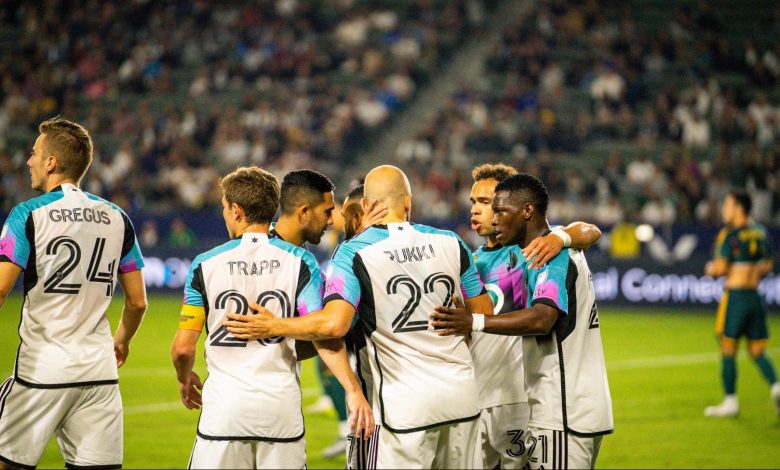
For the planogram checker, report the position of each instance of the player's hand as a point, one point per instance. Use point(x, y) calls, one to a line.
point(189, 390)
point(361, 421)
point(452, 321)
point(374, 213)
point(257, 326)
point(542, 249)
point(121, 351)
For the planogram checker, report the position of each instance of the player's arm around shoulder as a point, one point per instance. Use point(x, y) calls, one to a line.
point(577, 235)
point(333, 321)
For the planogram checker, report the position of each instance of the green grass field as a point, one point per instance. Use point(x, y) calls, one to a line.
point(663, 370)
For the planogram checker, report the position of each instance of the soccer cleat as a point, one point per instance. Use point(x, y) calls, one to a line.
point(339, 447)
point(775, 393)
point(728, 408)
point(323, 405)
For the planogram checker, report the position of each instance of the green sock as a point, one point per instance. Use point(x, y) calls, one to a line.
point(728, 370)
point(336, 393)
point(767, 369)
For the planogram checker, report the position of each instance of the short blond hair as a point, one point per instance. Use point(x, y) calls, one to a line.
point(255, 190)
point(496, 171)
point(70, 143)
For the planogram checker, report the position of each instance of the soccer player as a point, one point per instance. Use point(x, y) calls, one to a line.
point(565, 374)
point(72, 247)
point(307, 205)
point(425, 394)
point(358, 449)
point(743, 254)
point(503, 399)
point(251, 403)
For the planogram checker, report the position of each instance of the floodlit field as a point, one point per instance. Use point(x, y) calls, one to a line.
point(663, 371)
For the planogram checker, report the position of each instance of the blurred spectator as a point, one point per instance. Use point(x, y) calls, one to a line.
point(180, 235)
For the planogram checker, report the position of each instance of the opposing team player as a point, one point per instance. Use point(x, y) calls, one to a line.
point(425, 394)
point(72, 247)
point(743, 254)
point(503, 400)
point(251, 401)
point(564, 362)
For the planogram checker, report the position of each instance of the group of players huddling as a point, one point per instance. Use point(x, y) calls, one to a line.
point(449, 359)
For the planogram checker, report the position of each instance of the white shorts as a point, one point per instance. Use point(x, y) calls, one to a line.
point(208, 453)
point(447, 446)
point(559, 449)
point(502, 431)
point(86, 420)
point(361, 453)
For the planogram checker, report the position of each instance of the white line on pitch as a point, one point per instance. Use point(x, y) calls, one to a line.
point(664, 361)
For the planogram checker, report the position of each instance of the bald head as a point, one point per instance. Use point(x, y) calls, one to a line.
point(388, 184)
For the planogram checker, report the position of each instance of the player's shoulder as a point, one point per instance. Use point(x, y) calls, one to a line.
point(294, 250)
point(23, 209)
point(427, 229)
point(366, 238)
point(216, 251)
point(105, 202)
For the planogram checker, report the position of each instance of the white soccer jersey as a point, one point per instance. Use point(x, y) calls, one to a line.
point(565, 372)
point(498, 359)
point(252, 391)
point(395, 276)
point(71, 246)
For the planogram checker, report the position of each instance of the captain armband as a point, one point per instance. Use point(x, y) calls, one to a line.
point(192, 317)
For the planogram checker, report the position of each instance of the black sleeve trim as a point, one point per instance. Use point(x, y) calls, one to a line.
point(129, 240)
point(93, 467)
point(547, 302)
point(465, 259)
point(304, 276)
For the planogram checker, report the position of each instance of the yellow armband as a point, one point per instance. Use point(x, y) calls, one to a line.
point(192, 317)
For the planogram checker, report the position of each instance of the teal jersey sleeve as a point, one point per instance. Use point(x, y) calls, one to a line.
point(470, 283)
point(341, 281)
point(131, 260)
point(308, 297)
point(547, 284)
point(194, 287)
point(14, 245)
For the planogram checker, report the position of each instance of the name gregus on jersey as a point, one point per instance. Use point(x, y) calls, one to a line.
point(80, 214)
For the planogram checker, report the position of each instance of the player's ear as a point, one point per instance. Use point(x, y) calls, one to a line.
point(51, 164)
point(304, 214)
point(528, 211)
point(408, 206)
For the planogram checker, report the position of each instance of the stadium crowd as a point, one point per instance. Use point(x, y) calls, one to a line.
point(623, 122)
point(623, 119)
point(175, 92)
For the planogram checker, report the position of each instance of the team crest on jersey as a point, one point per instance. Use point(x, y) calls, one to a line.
point(541, 278)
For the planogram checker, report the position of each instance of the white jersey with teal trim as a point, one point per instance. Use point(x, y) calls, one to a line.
point(565, 371)
point(498, 359)
point(71, 246)
point(395, 276)
point(252, 391)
